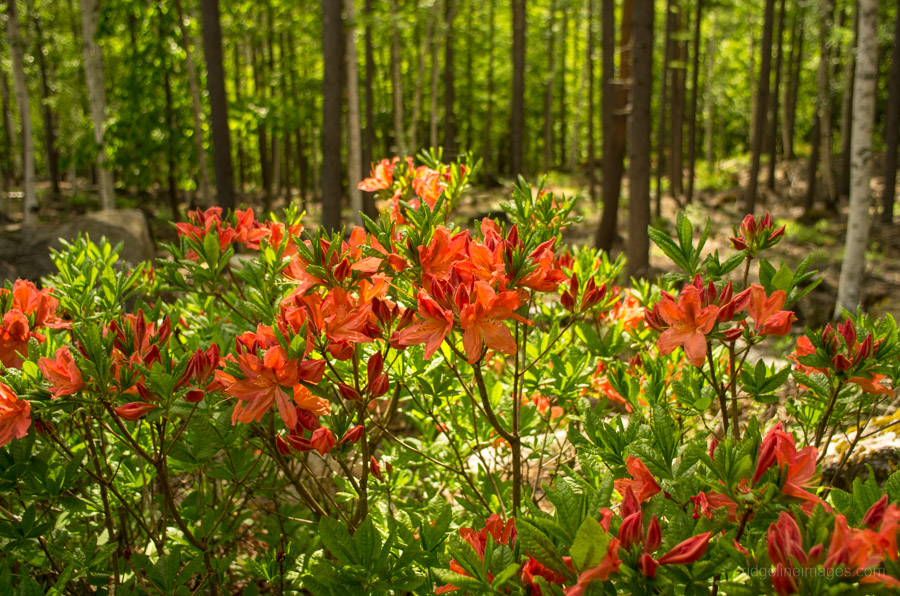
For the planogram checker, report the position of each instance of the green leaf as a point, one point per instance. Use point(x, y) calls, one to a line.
point(541, 548)
point(590, 545)
point(367, 542)
point(337, 540)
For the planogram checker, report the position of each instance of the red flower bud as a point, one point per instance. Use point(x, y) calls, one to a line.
point(299, 443)
point(406, 319)
point(738, 243)
point(848, 330)
point(307, 420)
point(776, 234)
point(734, 333)
point(654, 535)
point(375, 365)
point(375, 468)
point(353, 435)
point(322, 440)
point(379, 386)
point(686, 552)
point(647, 565)
point(145, 393)
point(864, 350)
point(841, 363)
point(194, 396)
point(631, 531)
point(568, 301)
point(133, 410)
point(348, 392)
point(875, 514)
point(282, 446)
point(342, 271)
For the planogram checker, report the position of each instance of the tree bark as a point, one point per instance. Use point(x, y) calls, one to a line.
point(488, 145)
point(242, 160)
point(864, 104)
point(93, 70)
point(772, 137)
point(369, 140)
point(396, 84)
point(709, 107)
point(843, 186)
point(794, 70)
point(517, 110)
point(332, 100)
point(824, 101)
point(591, 140)
point(676, 157)
point(435, 77)
point(196, 107)
point(14, 164)
point(49, 125)
point(449, 143)
point(663, 101)
point(692, 118)
point(354, 142)
point(218, 103)
point(639, 147)
point(549, 83)
point(892, 129)
point(765, 66)
point(262, 138)
point(430, 25)
point(29, 205)
point(561, 93)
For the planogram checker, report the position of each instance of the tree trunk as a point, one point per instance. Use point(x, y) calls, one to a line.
point(864, 104)
point(262, 138)
point(790, 100)
point(302, 160)
point(49, 136)
point(517, 110)
point(639, 148)
point(615, 100)
point(692, 118)
point(469, 145)
point(197, 107)
point(847, 109)
point(449, 143)
point(812, 181)
point(709, 108)
point(824, 101)
point(369, 140)
point(420, 78)
point(487, 151)
point(332, 100)
point(563, 62)
point(354, 142)
point(396, 85)
point(218, 103)
point(676, 158)
point(435, 77)
point(765, 66)
point(589, 61)
point(171, 173)
point(30, 205)
point(242, 160)
point(663, 102)
point(549, 83)
point(892, 129)
point(772, 137)
point(93, 70)
point(14, 164)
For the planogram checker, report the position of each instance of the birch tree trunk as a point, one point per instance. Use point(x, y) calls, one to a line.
point(709, 106)
point(892, 131)
point(196, 108)
point(864, 88)
point(354, 140)
point(93, 71)
point(30, 206)
point(396, 86)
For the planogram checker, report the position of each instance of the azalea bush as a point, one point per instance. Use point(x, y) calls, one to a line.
point(417, 407)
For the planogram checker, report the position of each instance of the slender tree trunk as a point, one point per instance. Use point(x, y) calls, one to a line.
point(197, 107)
point(354, 142)
point(574, 147)
point(14, 164)
point(396, 85)
point(171, 171)
point(93, 70)
point(332, 100)
point(487, 152)
point(547, 161)
point(420, 79)
point(864, 104)
point(275, 172)
point(290, 99)
point(30, 205)
point(449, 81)
point(262, 138)
point(615, 100)
point(218, 103)
point(663, 102)
point(692, 118)
point(369, 140)
point(435, 78)
point(765, 66)
point(813, 164)
point(772, 137)
point(847, 108)
point(892, 129)
point(517, 110)
point(639, 147)
point(241, 155)
point(302, 160)
point(471, 13)
point(49, 135)
point(790, 100)
point(591, 140)
point(561, 93)
point(709, 107)
point(676, 158)
point(824, 101)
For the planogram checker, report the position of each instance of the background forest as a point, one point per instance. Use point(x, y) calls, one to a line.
point(123, 100)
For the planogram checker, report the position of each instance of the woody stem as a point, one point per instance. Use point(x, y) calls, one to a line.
point(823, 423)
point(735, 414)
point(723, 398)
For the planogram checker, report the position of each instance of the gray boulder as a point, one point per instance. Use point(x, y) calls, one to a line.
point(26, 250)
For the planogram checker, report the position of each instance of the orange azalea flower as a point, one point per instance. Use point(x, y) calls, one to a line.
point(427, 185)
point(268, 381)
point(546, 277)
point(41, 303)
point(641, 482)
point(483, 321)
point(688, 322)
point(14, 335)
point(432, 327)
point(441, 253)
point(873, 385)
point(382, 176)
point(15, 416)
point(766, 311)
point(63, 374)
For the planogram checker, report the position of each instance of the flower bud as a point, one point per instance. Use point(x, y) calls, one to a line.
point(352, 435)
point(378, 386)
point(375, 468)
point(647, 564)
point(348, 392)
point(654, 535)
point(875, 514)
point(322, 440)
point(632, 530)
point(194, 396)
point(133, 410)
point(282, 446)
